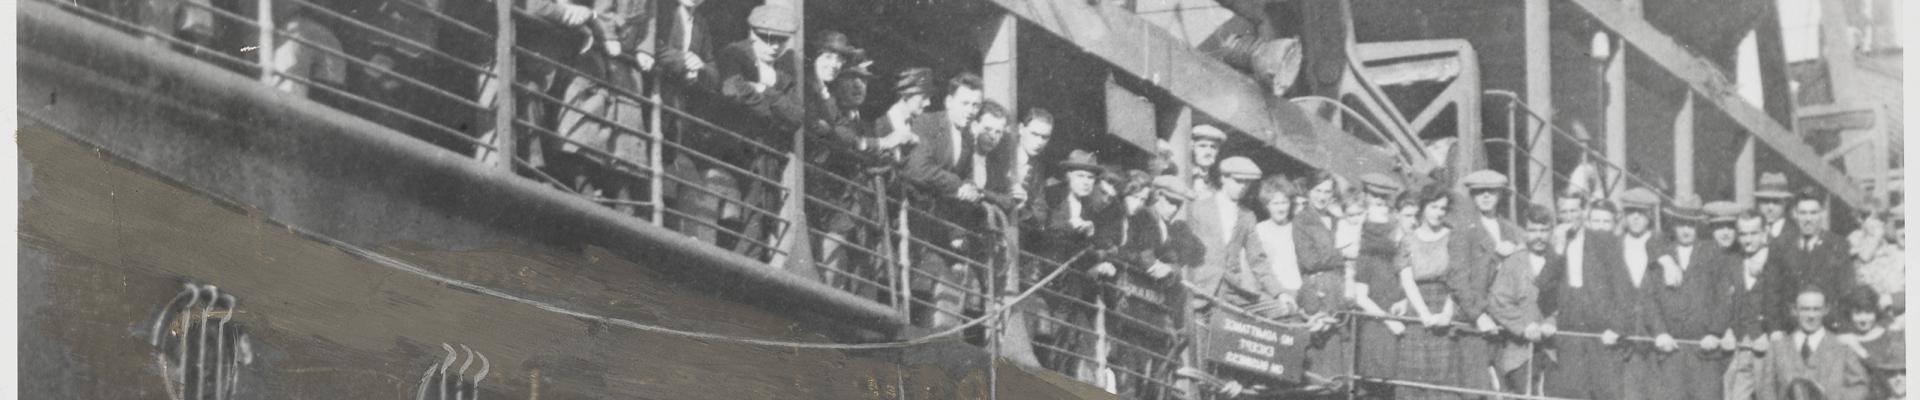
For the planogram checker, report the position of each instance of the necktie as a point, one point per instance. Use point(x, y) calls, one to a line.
point(1806, 348)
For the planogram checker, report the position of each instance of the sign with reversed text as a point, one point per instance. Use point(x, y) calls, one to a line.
point(1249, 345)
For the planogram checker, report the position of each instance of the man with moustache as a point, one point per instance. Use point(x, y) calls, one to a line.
point(1518, 303)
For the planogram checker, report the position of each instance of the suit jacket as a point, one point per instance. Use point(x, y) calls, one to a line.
point(1829, 265)
point(1595, 306)
point(1514, 302)
point(932, 166)
point(1474, 277)
point(1837, 370)
point(1758, 309)
point(1697, 305)
point(679, 37)
point(1224, 271)
point(1644, 309)
point(771, 114)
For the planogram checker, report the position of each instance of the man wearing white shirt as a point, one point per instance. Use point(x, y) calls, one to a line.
point(1638, 244)
point(1752, 307)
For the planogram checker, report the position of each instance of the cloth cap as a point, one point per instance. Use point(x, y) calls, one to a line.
point(775, 18)
point(1208, 132)
point(1380, 184)
point(1172, 186)
point(1639, 198)
point(1722, 211)
point(1772, 185)
point(1240, 168)
point(1081, 160)
point(1485, 179)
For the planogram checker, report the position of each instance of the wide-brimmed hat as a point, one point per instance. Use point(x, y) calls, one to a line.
point(1081, 160)
point(1772, 185)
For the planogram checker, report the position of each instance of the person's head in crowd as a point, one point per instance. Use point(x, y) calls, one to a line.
point(1206, 145)
point(1685, 219)
point(1810, 213)
point(1721, 216)
point(1771, 196)
point(1407, 210)
point(1573, 208)
point(1081, 169)
point(1637, 206)
point(1435, 199)
point(1356, 202)
point(1170, 195)
point(913, 89)
point(1322, 191)
point(1276, 196)
point(989, 127)
point(849, 92)
point(1863, 309)
point(1485, 188)
point(1753, 232)
point(964, 96)
point(1139, 189)
point(1538, 222)
point(1379, 189)
point(1600, 216)
point(1809, 309)
point(1036, 129)
point(1235, 174)
point(773, 25)
point(833, 53)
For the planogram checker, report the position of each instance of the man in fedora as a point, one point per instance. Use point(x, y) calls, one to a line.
point(1770, 195)
point(1068, 213)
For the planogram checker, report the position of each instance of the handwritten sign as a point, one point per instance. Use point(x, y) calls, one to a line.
point(1249, 345)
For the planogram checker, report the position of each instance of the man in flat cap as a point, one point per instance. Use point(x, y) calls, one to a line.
point(1492, 239)
point(1205, 151)
point(1692, 294)
point(1225, 229)
point(1639, 243)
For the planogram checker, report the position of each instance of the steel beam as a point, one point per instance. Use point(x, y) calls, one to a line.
point(1714, 88)
point(1137, 47)
point(1539, 37)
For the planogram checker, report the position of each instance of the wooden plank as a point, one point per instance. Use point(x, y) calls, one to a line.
point(1714, 88)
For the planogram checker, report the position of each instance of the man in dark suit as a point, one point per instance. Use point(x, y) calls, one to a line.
point(1640, 246)
point(1754, 306)
point(1588, 298)
point(1691, 288)
point(1771, 195)
point(1813, 255)
point(1068, 225)
point(760, 95)
point(940, 171)
point(1813, 353)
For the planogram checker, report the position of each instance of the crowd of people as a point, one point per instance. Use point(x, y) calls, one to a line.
point(1624, 295)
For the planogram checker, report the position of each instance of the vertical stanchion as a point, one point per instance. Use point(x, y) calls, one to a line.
point(656, 156)
point(1353, 367)
point(264, 52)
point(1513, 159)
point(503, 75)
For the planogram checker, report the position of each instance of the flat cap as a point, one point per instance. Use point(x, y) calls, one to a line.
point(1172, 186)
point(1485, 179)
point(1238, 167)
point(1639, 198)
point(1208, 132)
point(776, 18)
point(1772, 185)
point(1380, 184)
point(1722, 211)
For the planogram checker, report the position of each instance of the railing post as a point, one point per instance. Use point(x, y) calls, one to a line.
point(656, 155)
point(264, 52)
point(503, 75)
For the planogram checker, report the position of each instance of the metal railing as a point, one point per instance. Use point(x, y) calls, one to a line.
point(1518, 109)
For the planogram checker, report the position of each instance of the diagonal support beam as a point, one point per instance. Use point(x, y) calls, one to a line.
point(1139, 48)
point(1714, 88)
